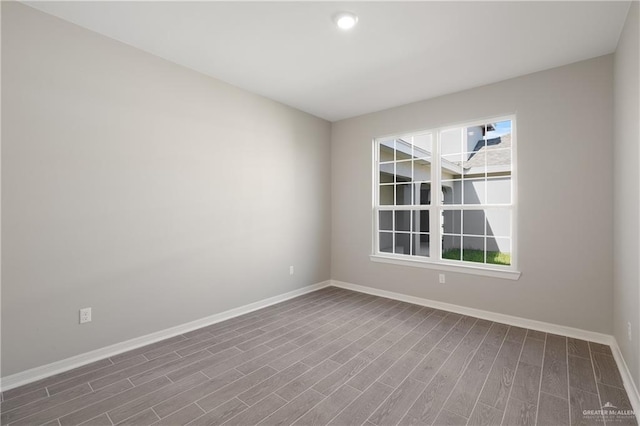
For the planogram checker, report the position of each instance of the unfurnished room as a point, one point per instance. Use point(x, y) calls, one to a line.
point(320, 213)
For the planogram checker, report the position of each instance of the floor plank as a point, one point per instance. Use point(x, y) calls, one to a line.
point(484, 415)
point(466, 392)
point(606, 370)
point(581, 404)
point(182, 416)
point(75, 404)
point(255, 414)
point(361, 408)
point(581, 374)
point(393, 409)
point(326, 410)
point(555, 370)
point(553, 411)
point(533, 351)
point(303, 382)
point(428, 405)
point(175, 403)
point(500, 380)
point(520, 413)
point(221, 413)
point(131, 408)
point(447, 418)
point(577, 347)
point(526, 384)
point(292, 411)
point(112, 402)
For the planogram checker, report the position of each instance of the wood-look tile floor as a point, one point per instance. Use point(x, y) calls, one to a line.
point(341, 358)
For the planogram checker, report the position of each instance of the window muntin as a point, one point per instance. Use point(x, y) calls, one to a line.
point(473, 218)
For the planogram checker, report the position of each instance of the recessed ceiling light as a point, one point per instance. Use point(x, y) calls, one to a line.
point(345, 20)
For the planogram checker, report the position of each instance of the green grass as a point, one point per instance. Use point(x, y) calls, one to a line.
point(494, 257)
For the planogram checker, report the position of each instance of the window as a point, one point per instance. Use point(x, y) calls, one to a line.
point(446, 197)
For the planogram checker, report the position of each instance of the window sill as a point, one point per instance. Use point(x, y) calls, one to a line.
point(463, 269)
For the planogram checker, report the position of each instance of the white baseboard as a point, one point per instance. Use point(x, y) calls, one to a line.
point(627, 379)
point(478, 313)
point(41, 372)
point(605, 339)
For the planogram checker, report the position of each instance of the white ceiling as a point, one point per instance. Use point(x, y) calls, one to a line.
point(399, 52)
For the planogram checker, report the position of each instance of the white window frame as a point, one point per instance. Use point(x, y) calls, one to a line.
point(437, 206)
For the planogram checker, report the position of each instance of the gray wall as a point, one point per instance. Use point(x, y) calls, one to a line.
point(565, 209)
point(149, 192)
point(626, 303)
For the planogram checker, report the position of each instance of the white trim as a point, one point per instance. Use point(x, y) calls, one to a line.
point(461, 268)
point(515, 218)
point(56, 367)
point(546, 327)
point(627, 378)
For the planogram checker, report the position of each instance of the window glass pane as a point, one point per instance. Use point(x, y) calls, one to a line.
point(498, 160)
point(403, 171)
point(452, 192)
point(499, 129)
point(421, 221)
point(499, 190)
point(451, 141)
point(451, 247)
point(386, 173)
point(474, 138)
point(420, 245)
point(452, 165)
point(423, 145)
point(403, 194)
point(473, 222)
point(387, 149)
point(403, 149)
point(451, 221)
point(498, 222)
point(422, 194)
point(421, 170)
point(499, 251)
point(473, 249)
point(474, 191)
point(498, 146)
point(475, 164)
point(386, 195)
point(403, 220)
point(386, 242)
point(385, 221)
point(403, 243)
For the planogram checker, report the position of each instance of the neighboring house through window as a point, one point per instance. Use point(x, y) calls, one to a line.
point(471, 221)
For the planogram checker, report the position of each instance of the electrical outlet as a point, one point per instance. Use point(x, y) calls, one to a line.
point(290, 270)
point(442, 278)
point(629, 330)
point(85, 315)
